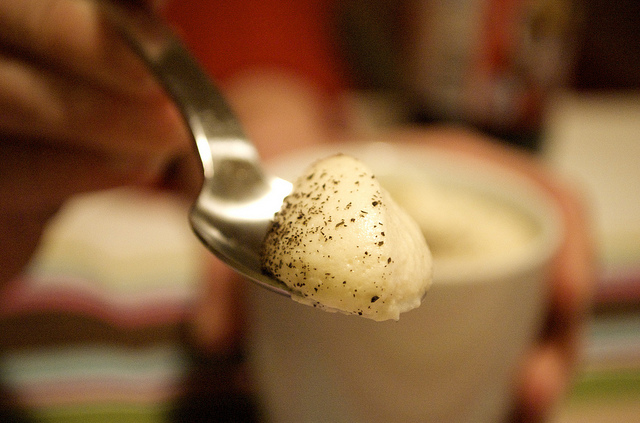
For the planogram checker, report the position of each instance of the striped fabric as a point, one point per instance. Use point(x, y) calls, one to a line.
point(93, 330)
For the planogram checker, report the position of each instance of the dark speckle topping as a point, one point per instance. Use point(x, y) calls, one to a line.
point(310, 244)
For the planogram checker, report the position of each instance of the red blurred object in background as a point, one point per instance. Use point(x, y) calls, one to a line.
point(232, 37)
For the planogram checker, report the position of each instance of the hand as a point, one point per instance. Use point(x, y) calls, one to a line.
point(78, 112)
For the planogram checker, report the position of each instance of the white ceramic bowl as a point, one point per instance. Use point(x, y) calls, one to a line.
point(451, 360)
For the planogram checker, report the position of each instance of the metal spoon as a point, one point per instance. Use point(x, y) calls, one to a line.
point(238, 200)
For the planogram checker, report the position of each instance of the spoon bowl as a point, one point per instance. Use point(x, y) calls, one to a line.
point(238, 199)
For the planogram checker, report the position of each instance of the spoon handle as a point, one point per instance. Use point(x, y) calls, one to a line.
point(205, 110)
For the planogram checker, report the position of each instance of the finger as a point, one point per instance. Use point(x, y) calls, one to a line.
point(38, 177)
point(19, 238)
point(183, 175)
point(46, 105)
point(574, 269)
point(544, 380)
point(549, 368)
point(71, 36)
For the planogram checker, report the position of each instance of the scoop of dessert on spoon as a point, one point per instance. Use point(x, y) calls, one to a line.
point(238, 199)
point(376, 263)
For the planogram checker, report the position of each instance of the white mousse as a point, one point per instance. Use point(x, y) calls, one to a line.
point(341, 243)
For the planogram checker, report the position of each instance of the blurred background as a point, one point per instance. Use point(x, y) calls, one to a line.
point(558, 78)
point(489, 64)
